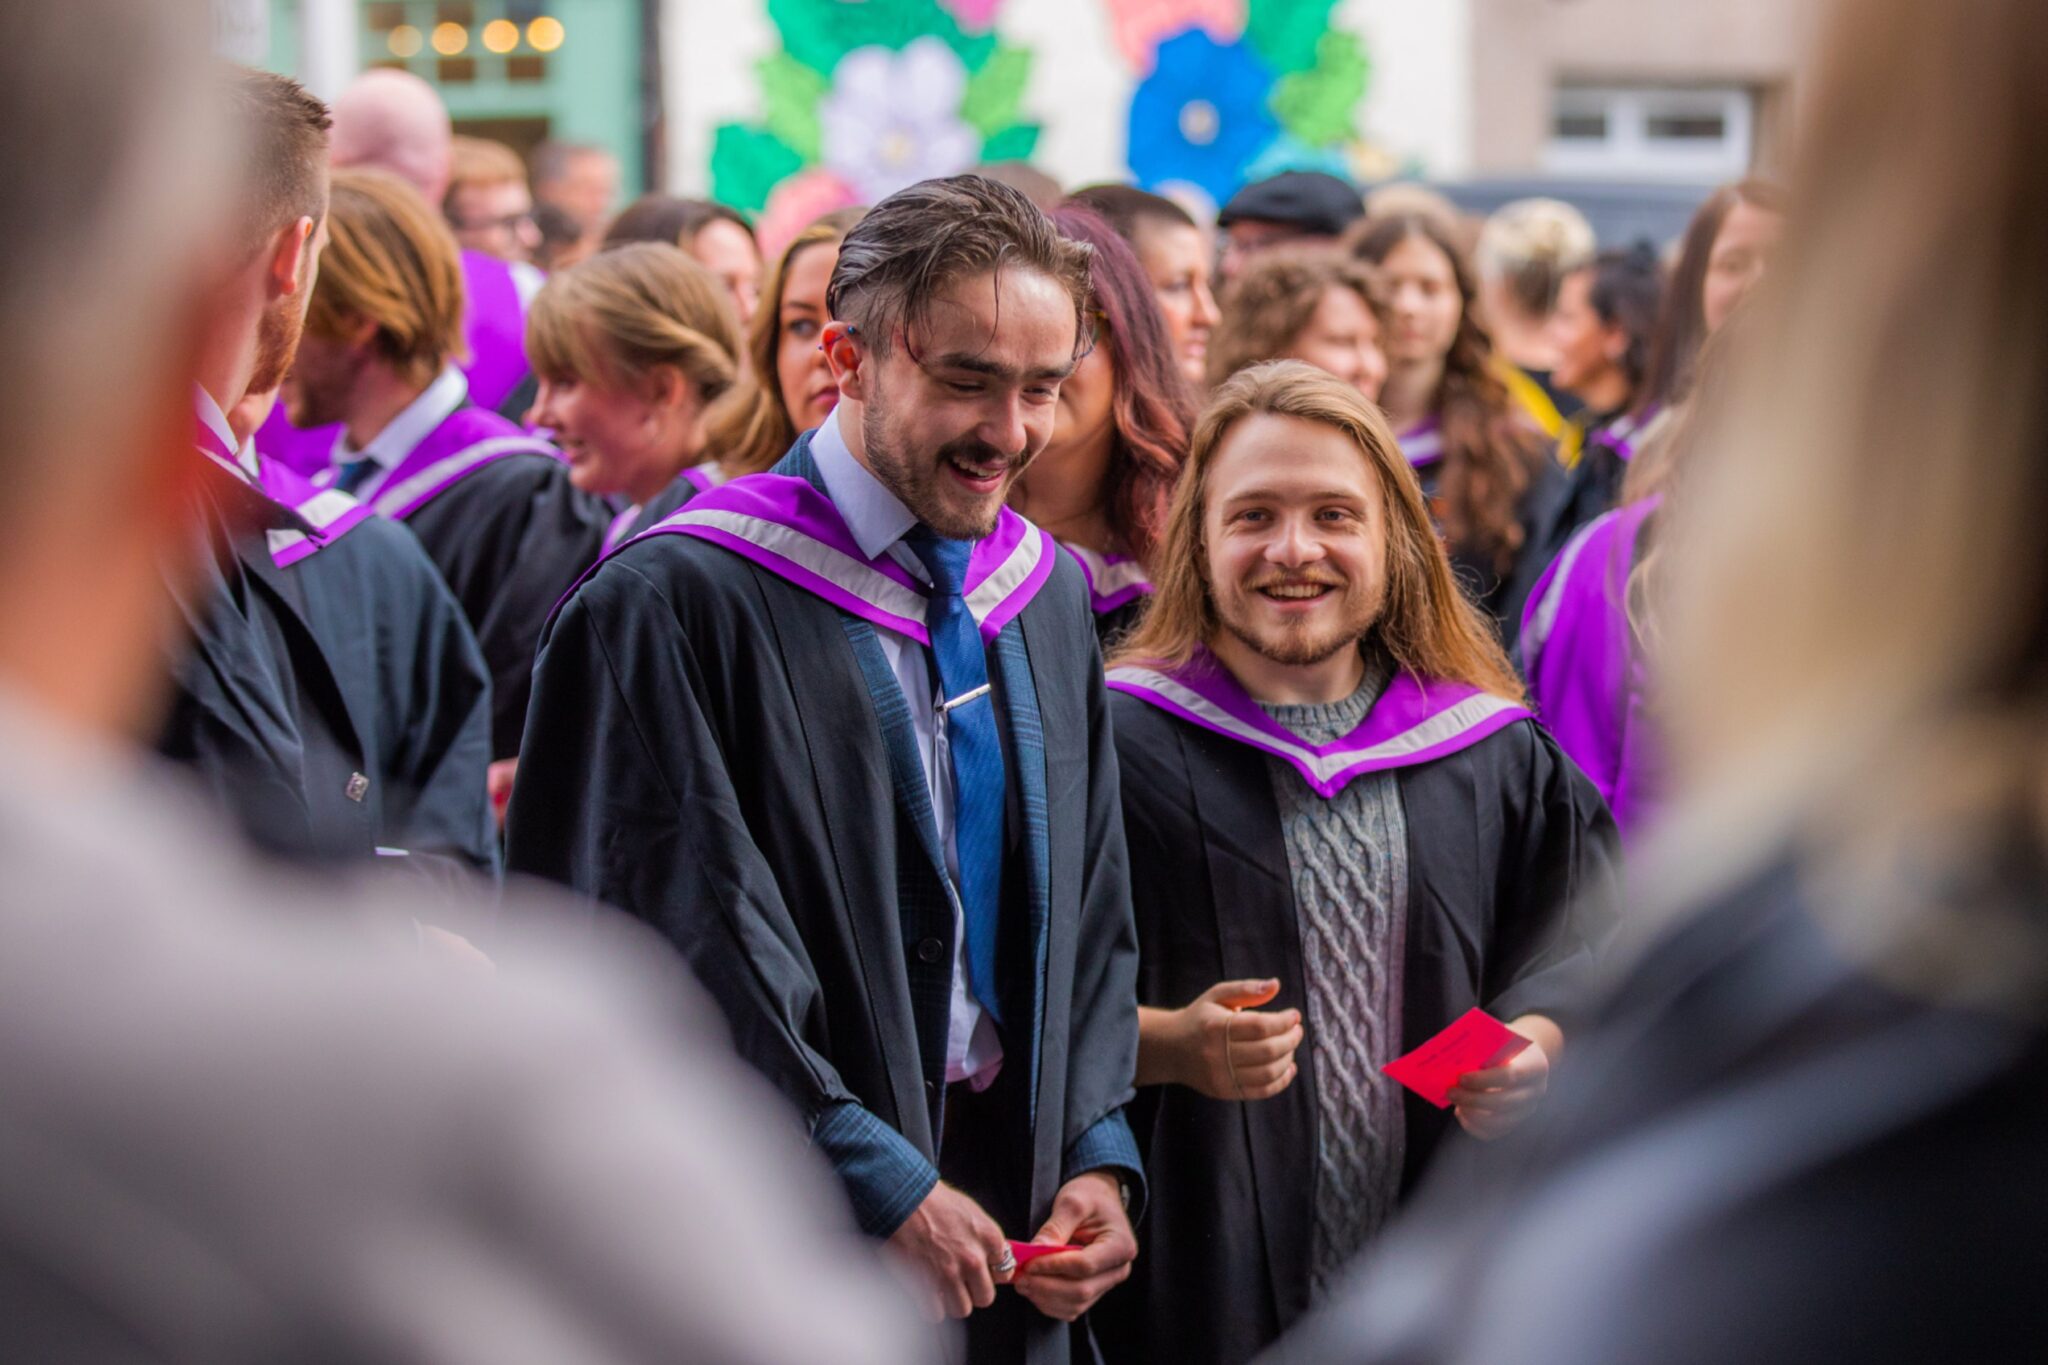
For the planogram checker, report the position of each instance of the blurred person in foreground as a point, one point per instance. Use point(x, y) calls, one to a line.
point(1118, 438)
point(1525, 251)
point(634, 347)
point(839, 731)
point(1312, 304)
point(787, 386)
point(1339, 809)
point(487, 203)
point(1178, 258)
point(331, 678)
point(495, 508)
point(236, 1129)
point(1302, 208)
point(1807, 1123)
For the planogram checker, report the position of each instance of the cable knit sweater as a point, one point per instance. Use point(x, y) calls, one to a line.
point(1348, 859)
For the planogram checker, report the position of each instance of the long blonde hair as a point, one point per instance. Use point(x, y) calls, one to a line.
point(633, 308)
point(1860, 659)
point(1426, 625)
point(754, 430)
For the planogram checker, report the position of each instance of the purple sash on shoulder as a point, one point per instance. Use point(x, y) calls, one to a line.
point(496, 329)
point(1113, 580)
point(467, 440)
point(785, 525)
point(703, 477)
point(1579, 656)
point(1416, 720)
point(1423, 443)
point(328, 512)
point(1623, 432)
point(305, 451)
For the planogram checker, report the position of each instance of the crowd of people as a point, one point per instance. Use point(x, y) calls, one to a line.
point(702, 800)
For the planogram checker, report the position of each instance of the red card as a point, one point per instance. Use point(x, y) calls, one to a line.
point(1474, 1042)
point(1027, 1252)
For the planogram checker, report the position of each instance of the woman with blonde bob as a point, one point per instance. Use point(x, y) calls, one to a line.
point(1339, 809)
point(633, 347)
point(1809, 1128)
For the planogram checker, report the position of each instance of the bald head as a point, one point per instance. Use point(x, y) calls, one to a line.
point(393, 121)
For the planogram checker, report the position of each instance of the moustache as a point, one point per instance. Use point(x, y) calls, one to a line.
point(979, 453)
point(1294, 581)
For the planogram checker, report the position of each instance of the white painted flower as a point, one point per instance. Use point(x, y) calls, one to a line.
point(893, 118)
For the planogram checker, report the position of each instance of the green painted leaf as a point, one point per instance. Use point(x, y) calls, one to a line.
point(1317, 107)
point(790, 92)
point(1014, 143)
point(820, 32)
point(1284, 32)
point(747, 164)
point(994, 91)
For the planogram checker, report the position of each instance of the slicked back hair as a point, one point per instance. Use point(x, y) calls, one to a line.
point(920, 241)
point(286, 154)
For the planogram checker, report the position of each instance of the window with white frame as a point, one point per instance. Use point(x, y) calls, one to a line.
point(1651, 132)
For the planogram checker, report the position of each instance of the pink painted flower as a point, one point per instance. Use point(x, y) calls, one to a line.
point(975, 16)
point(1140, 24)
point(797, 203)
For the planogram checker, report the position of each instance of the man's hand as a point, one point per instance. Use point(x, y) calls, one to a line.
point(955, 1248)
point(1089, 1213)
point(1219, 1046)
point(1491, 1103)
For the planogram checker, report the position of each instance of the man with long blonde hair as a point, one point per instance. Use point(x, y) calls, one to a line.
point(1338, 804)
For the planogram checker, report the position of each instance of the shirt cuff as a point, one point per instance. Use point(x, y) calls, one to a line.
point(1109, 1145)
point(885, 1176)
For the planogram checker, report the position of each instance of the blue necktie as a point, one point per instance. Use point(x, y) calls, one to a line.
point(349, 475)
point(974, 748)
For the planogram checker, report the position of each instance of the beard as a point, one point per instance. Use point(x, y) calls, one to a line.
point(922, 483)
point(277, 341)
point(1341, 624)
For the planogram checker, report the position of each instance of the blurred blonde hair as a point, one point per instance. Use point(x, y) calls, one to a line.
point(1427, 625)
point(1860, 661)
point(623, 312)
point(1529, 246)
point(478, 162)
point(392, 260)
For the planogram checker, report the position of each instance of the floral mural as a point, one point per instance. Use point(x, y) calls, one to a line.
point(866, 97)
point(1231, 90)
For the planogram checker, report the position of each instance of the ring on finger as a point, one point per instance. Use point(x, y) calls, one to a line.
point(1007, 1264)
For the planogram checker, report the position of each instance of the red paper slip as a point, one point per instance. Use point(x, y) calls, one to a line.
point(1474, 1042)
point(1027, 1252)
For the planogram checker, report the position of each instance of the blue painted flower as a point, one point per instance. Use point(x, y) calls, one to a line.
point(1201, 116)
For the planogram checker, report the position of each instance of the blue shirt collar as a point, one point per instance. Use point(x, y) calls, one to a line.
point(877, 517)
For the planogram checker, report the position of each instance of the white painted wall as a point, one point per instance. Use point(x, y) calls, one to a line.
point(1080, 87)
point(708, 51)
point(1418, 104)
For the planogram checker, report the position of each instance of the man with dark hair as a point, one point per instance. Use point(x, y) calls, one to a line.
point(839, 731)
point(377, 668)
point(491, 504)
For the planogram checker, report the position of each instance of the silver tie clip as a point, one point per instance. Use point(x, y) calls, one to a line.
point(963, 699)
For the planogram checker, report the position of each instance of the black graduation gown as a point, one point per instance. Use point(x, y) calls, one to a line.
point(415, 684)
point(1591, 486)
point(1758, 1153)
point(1503, 595)
point(1511, 856)
point(703, 753)
point(257, 712)
point(509, 539)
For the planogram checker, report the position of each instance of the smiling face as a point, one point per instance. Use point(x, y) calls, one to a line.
point(1343, 337)
point(1294, 529)
point(1176, 259)
point(1586, 347)
point(627, 436)
point(802, 376)
point(1422, 296)
point(727, 251)
point(954, 406)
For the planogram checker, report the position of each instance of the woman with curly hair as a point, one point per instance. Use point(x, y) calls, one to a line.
point(1312, 304)
point(1488, 474)
point(1101, 484)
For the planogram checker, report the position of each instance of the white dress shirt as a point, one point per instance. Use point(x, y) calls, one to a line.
point(402, 435)
point(879, 521)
